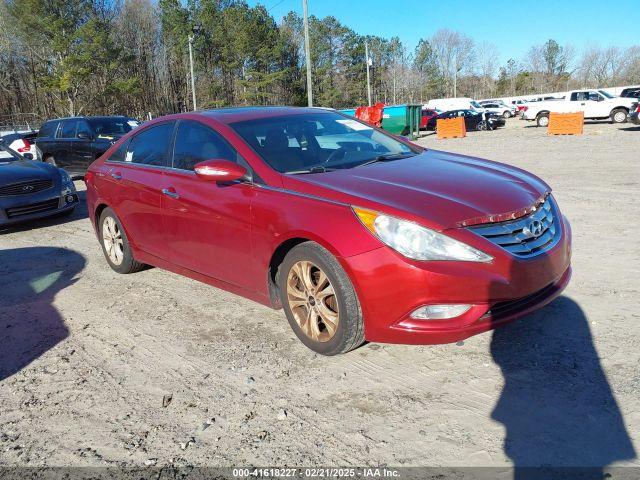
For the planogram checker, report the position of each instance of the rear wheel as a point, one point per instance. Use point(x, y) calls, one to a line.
point(115, 244)
point(543, 120)
point(319, 300)
point(506, 114)
point(50, 160)
point(619, 116)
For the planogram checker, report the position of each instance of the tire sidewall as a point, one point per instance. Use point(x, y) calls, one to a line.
point(618, 112)
point(127, 259)
point(348, 305)
point(543, 121)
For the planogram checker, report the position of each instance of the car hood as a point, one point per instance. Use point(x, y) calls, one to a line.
point(23, 170)
point(438, 189)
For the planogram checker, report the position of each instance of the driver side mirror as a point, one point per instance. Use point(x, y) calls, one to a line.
point(28, 156)
point(219, 171)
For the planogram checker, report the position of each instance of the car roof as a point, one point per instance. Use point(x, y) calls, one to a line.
point(99, 117)
point(238, 114)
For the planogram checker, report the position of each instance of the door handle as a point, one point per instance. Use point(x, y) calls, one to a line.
point(116, 176)
point(170, 193)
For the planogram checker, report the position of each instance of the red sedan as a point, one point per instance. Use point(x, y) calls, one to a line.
point(357, 234)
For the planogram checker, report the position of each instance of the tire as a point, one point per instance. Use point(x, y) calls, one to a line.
point(122, 262)
point(619, 115)
point(542, 120)
point(50, 160)
point(307, 318)
point(506, 114)
point(481, 126)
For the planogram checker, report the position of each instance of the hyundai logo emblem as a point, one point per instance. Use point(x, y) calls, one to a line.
point(534, 229)
point(27, 188)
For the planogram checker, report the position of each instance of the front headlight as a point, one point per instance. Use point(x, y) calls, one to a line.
point(66, 182)
point(415, 241)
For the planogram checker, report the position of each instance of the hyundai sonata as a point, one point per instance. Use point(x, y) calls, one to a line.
point(357, 234)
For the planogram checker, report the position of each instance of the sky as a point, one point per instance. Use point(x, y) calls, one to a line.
point(512, 25)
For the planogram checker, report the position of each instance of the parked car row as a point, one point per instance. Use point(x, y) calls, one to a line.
point(473, 119)
point(595, 104)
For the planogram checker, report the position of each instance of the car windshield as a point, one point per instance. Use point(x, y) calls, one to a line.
point(112, 126)
point(8, 155)
point(606, 94)
point(318, 142)
point(475, 104)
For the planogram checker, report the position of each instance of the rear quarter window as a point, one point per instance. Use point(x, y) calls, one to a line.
point(48, 129)
point(151, 146)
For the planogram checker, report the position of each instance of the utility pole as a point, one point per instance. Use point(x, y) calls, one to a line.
point(193, 80)
point(307, 52)
point(455, 75)
point(366, 55)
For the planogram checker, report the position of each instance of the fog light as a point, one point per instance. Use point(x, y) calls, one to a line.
point(70, 198)
point(439, 312)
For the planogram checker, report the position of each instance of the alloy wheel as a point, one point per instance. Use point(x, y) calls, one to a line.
point(619, 117)
point(312, 300)
point(112, 240)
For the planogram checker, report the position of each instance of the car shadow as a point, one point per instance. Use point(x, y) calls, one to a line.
point(78, 213)
point(30, 324)
point(556, 405)
point(631, 129)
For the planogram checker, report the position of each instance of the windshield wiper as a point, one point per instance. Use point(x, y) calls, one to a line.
point(387, 157)
point(316, 169)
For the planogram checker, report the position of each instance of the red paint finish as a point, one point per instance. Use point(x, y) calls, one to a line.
point(226, 233)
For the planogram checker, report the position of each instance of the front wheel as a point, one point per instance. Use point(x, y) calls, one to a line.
point(543, 120)
point(319, 300)
point(115, 244)
point(619, 116)
point(506, 114)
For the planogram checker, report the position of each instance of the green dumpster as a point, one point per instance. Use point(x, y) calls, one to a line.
point(402, 120)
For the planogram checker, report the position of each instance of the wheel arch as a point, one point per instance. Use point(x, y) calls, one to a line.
point(281, 251)
point(618, 108)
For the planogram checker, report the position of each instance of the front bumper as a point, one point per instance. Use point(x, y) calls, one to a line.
point(37, 206)
point(390, 287)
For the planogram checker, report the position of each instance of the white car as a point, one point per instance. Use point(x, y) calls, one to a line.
point(499, 108)
point(596, 105)
point(458, 103)
point(21, 142)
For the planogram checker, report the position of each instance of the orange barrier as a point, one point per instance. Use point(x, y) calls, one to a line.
point(566, 123)
point(371, 115)
point(451, 128)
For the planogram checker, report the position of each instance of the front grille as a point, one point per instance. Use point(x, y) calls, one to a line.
point(32, 208)
point(527, 236)
point(25, 188)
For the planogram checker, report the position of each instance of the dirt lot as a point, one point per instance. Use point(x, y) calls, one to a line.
point(87, 356)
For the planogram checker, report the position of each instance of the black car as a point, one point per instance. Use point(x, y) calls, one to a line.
point(30, 189)
point(74, 143)
point(472, 120)
point(632, 92)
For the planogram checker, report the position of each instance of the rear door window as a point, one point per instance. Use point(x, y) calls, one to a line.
point(151, 146)
point(68, 129)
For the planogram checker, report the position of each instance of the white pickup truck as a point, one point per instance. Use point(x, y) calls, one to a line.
point(596, 104)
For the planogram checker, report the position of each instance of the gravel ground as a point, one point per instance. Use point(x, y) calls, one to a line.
point(152, 368)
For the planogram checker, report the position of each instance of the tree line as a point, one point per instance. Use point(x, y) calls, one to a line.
point(89, 57)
